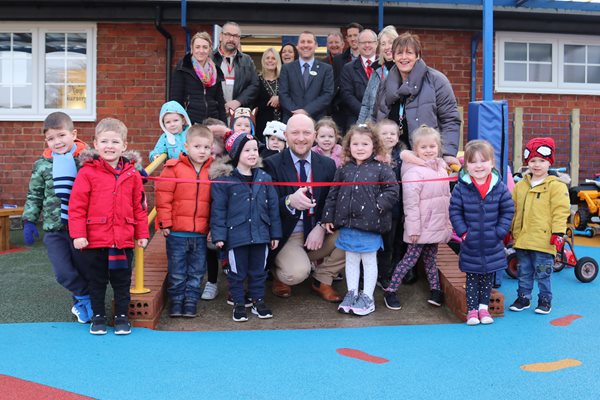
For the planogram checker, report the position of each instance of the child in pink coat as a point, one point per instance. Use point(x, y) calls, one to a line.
point(427, 220)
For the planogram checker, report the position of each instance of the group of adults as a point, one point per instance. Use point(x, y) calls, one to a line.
point(364, 77)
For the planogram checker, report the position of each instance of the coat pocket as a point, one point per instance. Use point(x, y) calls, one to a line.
point(96, 220)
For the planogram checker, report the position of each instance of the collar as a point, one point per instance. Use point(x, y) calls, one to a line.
point(223, 54)
point(295, 158)
point(310, 62)
point(363, 60)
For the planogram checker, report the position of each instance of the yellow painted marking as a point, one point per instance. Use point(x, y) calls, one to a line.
point(552, 365)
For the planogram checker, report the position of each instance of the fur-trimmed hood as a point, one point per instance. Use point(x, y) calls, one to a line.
point(89, 155)
point(222, 167)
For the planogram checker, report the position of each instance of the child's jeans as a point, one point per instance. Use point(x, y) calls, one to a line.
point(535, 265)
point(99, 275)
point(65, 260)
point(187, 266)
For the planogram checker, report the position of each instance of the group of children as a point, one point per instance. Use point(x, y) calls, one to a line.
point(212, 199)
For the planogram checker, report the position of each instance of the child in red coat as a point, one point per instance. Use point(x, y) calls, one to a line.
point(107, 216)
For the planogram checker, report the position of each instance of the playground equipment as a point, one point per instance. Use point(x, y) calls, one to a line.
point(587, 198)
point(586, 268)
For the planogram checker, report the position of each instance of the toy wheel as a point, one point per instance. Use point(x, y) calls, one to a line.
point(559, 263)
point(586, 269)
point(581, 218)
point(513, 266)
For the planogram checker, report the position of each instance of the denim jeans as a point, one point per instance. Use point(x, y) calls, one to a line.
point(535, 265)
point(187, 266)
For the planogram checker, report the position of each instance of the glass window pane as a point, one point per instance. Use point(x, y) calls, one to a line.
point(540, 52)
point(22, 44)
point(515, 72)
point(22, 71)
point(55, 42)
point(4, 42)
point(540, 73)
point(55, 69)
point(76, 97)
point(4, 97)
point(76, 71)
point(574, 73)
point(6, 71)
point(76, 43)
point(593, 75)
point(574, 54)
point(54, 96)
point(22, 96)
point(593, 55)
point(515, 51)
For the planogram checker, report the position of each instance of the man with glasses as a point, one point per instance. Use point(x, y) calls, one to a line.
point(356, 75)
point(240, 86)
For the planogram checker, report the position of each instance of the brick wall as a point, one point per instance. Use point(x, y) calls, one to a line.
point(131, 86)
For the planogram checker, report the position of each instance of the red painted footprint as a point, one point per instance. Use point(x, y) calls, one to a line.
point(566, 320)
point(361, 355)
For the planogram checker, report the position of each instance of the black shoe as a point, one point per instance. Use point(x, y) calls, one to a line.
point(176, 309)
point(411, 276)
point(260, 308)
point(436, 298)
point(239, 313)
point(247, 300)
point(391, 301)
point(383, 283)
point(520, 304)
point(98, 326)
point(544, 306)
point(122, 325)
point(189, 310)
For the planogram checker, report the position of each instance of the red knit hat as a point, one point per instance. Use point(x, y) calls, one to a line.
point(542, 147)
point(234, 143)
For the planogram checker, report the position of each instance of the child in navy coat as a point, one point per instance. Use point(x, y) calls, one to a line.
point(481, 211)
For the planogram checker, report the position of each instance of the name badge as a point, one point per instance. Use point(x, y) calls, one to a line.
point(313, 73)
point(229, 81)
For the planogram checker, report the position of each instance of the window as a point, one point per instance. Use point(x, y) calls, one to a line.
point(46, 68)
point(547, 63)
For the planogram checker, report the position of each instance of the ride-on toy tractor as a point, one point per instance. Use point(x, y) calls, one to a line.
point(587, 198)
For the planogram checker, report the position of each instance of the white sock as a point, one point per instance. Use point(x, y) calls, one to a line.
point(483, 307)
point(352, 270)
point(370, 273)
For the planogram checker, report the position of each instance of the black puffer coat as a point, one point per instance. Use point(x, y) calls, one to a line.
point(367, 207)
point(199, 102)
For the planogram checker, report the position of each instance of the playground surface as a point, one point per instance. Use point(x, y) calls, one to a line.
point(522, 354)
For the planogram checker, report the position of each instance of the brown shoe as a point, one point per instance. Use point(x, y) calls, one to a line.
point(280, 289)
point(326, 292)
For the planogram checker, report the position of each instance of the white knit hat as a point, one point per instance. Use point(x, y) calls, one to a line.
point(275, 128)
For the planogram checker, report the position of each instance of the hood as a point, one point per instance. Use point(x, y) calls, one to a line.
point(79, 147)
point(222, 167)
point(464, 177)
point(133, 157)
point(173, 107)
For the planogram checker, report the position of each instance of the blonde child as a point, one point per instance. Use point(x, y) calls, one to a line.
point(361, 213)
point(481, 211)
point(542, 210)
point(328, 135)
point(107, 216)
point(426, 220)
point(184, 216)
point(174, 122)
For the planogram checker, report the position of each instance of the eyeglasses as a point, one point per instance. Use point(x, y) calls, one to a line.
point(231, 35)
point(368, 42)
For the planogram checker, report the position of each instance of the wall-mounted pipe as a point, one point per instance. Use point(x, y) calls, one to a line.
point(184, 25)
point(169, 52)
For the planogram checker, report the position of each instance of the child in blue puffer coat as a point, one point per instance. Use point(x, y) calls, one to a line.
point(481, 211)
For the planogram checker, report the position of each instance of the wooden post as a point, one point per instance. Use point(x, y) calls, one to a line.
point(574, 165)
point(518, 139)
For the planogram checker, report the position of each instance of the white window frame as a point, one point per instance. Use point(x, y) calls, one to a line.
point(557, 86)
point(38, 111)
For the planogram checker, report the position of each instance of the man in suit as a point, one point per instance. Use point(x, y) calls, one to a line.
point(356, 74)
point(304, 239)
point(305, 85)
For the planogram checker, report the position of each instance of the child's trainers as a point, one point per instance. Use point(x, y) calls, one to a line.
point(98, 326)
point(260, 308)
point(82, 309)
point(247, 300)
point(176, 309)
point(211, 290)
point(391, 301)
point(436, 298)
point(349, 299)
point(363, 305)
point(239, 313)
point(485, 317)
point(190, 310)
point(473, 318)
point(520, 304)
point(122, 325)
point(544, 306)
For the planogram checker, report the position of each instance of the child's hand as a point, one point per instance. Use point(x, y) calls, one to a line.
point(414, 238)
point(411, 157)
point(328, 227)
point(80, 243)
point(166, 232)
point(274, 244)
point(209, 237)
point(30, 232)
point(220, 244)
point(451, 160)
point(142, 243)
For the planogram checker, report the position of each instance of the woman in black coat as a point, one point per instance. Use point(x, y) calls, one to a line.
point(197, 81)
point(268, 92)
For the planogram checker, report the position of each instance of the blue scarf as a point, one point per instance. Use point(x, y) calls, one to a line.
point(64, 171)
